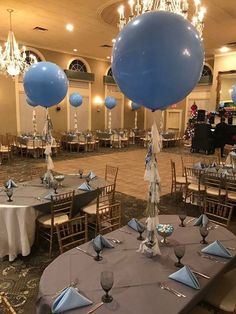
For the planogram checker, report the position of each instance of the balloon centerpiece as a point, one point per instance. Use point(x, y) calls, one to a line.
point(110, 103)
point(34, 121)
point(46, 85)
point(75, 100)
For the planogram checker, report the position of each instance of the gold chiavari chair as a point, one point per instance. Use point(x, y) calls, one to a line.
point(218, 212)
point(177, 182)
point(7, 307)
point(111, 173)
point(186, 161)
point(194, 185)
point(109, 218)
point(214, 183)
point(72, 233)
point(61, 211)
point(230, 184)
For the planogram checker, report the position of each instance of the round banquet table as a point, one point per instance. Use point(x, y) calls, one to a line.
point(17, 218)
point(136, 277)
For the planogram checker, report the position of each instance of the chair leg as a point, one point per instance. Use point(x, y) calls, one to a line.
point(50, 246)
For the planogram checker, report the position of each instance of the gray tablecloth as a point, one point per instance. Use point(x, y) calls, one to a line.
point(136, 277)
point(17, 218)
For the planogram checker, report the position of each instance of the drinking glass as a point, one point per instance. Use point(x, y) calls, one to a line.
point(81, 173)
point(87, 180)
point(179, 253)
point(97, 249)
point(182, 217)
point(9, 192)
point(107, 280)
point(140, 229)
point(55, 186)
point(204, 231)
point(42, 178)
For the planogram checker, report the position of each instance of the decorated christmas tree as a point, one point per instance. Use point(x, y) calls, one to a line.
point(189, 132)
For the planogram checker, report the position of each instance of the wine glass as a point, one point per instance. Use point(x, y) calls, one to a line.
point(81, 173)
point(204, 231)
point(88, 180)
point(97, 249)
point(55, 186)
point(140, 229)
point(107, 280)
point(179, 253)
point(9, 192)
point(42, 178)
point(182, 217)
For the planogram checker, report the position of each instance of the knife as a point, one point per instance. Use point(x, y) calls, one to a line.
point(97, 306)
point(78, 248)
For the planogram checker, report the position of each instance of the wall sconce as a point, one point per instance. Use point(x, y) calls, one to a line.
point(98, 102)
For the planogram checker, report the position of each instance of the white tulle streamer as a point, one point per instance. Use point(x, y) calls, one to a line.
point(75, 123)
point(136, 119)
point(34, 123)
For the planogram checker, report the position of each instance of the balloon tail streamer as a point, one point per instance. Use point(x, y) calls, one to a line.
point(150, 245)
point(76, 122)
point(136, 120)
point(47, 132)
point(34, 123)
point(109, 121)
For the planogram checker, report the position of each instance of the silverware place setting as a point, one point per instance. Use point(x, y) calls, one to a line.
point(164, 286)
point(116, 241)
point(211, 258)
point(72, 284)
point(85, 252)
point(96, 306)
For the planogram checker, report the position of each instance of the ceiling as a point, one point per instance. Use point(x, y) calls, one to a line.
point(95, 24)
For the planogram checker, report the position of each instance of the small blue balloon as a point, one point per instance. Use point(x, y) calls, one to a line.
point(30, 102)
point(45, 84)
point(157, 59)
point(76, 99)
point(135, 106)
point(233, 94)
point(110, 102)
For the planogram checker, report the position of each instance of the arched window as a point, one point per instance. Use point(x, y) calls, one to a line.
point(29, 54)
point(78, 66)
point(109, 72)
point(206, 71)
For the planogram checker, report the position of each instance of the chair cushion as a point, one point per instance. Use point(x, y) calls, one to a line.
point(194, 187)
point(215, 191)
point(232, 196)
point(224, 298)
point(181, 180)
point(46, 220)
point(90, 209)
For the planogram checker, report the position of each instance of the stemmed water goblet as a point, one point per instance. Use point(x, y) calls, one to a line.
point(179, 253)
point(140, 229)
point(55, 186)
point(97, 249)
point(107, 280)
point(204, 231)
point(9, 192)
point(182, 217)
point(81, 173)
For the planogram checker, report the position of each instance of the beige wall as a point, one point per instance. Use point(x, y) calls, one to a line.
point(7, 105)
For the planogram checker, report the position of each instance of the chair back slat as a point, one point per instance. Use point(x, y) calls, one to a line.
point(72, 233)
point(109, 217)
point(6, 304)
point(218, 213)
point(62, 204)
point(111, 173)
point(106, 195)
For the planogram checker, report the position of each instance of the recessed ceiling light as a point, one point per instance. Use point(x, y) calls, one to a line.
point(224, 49)
point(70, 27)
point(75, 50)
point(108, 57)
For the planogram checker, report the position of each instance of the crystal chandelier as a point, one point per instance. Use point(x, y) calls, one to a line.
point(181, 7)
point(14, 61)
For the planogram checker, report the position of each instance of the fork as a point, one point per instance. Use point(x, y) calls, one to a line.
point(211, 258)
point(175, 292)
point(115, 240)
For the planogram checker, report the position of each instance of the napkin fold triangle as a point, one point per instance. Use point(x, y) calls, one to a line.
point(202, 220)
point(85, 187)
point(102, 242)
point(197, 166)
point(136, 225)
point(49, 196)
point(91, 175)
point(69, 299)
point(218, 249)
point(10, 184)
point(186, 276)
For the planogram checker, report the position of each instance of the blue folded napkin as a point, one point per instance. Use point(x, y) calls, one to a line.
point(197, 166)
point(102, 242)
point(218, 249)
point(85, 187)
point(10, 184)
point(69, 299)
point(49, 196)
point(91, 175)
point(186, 276)
point(202, 221)
point(136, 225)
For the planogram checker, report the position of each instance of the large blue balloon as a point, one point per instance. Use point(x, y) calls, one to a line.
point(233, 94)
point(135, 106)
point(76, 99)
point(30, 102)
point(45, 83)
point(110, 102)
point(157, 59)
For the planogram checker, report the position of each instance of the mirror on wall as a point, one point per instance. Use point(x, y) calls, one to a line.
point(225, 81)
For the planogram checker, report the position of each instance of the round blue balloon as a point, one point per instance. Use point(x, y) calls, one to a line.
point(45, 83)
point(233, 94)
point(157, 59)
point(135, 106)
point(30, 102)
point(76, 99)
point(110, 102)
